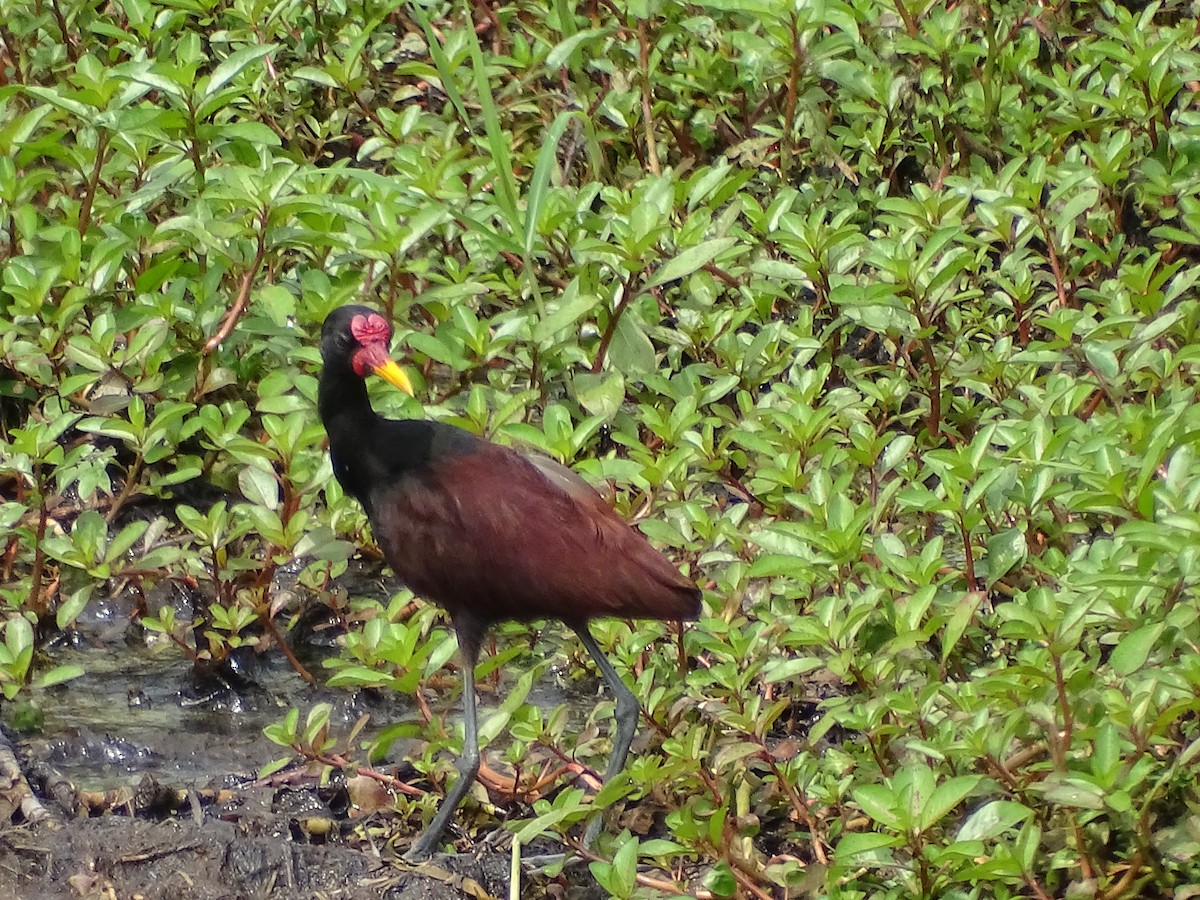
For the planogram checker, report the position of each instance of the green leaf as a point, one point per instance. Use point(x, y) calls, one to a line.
point(993, 819)
point(539, 184)
point(855, 845)
point(58, 675)
point(275, 765)
point(880, 803)
point(964, 611)
point(778, 270)
point(1134, 648)
point(73, 604)
point(18, 636)
point(497, 138)
point(160, 83)
point(445, 70)
point(569, 804)
point(601, 395)
point(1074, 791)
point(625, 867)
point(945, 797)
point(494, 724)
point(232, 65)
point(1004, 551)
point(896, 450)
point(785, 669)
point(1103, 360)
point(689, 261)
point(436, 349)
point(562, 51)
point(571, 306)
point(259, 487)
point(720, 881)
point(253, 132)
point(315, 75)
point(631, 352)
point(56, 98)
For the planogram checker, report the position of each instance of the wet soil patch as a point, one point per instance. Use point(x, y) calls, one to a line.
point(175, 859)
point(146, 775)
point(237, 837)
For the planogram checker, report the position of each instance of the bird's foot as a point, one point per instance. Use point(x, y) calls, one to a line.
point(421, 851)
point(593, 831)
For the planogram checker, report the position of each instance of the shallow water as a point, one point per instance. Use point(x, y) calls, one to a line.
point(137, 709)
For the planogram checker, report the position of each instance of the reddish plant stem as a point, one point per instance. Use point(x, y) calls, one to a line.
point(798, 805)
point(627, 294)
point(389, 781)
point(747, 883)
point(370, 113)
point(1022, 323)
point(968, 557)
point(1091, 406)
point(791, 97)
point(189, 652)
point(1033, 885)
point(33, 600)
point(647, 100)
point(1052, 253)
point(579, 770)
point(1120, 887)
point(681, 653)
point(666, 887)
point(132, 478)
point(72, 51)
point(910, 24)
point(243, 296)
point(1063, 740)
point(10, 558)
point(1085, 864)
point(1151, 129)
point(721, 275)
point(85, 208)
point(10, 47)
point(269, 624)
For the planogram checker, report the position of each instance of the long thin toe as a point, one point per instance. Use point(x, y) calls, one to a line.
point(593, 830)
point(420, 851)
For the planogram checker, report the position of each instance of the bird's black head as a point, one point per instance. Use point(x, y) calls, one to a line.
point(357, 338)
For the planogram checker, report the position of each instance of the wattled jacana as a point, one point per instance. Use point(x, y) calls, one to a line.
point(486, 532)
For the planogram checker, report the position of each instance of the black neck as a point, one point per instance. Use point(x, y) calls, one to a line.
point(352, 425)
point(370, 452)
point(342, 395)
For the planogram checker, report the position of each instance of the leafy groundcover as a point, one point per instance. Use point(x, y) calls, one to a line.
point(881, 318)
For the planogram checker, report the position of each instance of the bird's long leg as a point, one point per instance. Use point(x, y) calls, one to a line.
point(626, 713)
point(469, 636)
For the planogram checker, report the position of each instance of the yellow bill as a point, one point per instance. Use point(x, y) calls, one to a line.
point(390, 371)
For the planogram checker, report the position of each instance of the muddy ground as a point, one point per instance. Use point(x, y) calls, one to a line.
point(141, 779)
point(240, 838)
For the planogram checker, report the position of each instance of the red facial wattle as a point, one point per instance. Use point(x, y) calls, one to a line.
point(370, 357)
point(371, 329)
point(373, 334)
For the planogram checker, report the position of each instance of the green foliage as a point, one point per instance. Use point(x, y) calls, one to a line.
point(882, 316)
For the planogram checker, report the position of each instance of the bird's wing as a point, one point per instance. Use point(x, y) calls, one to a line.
point(561, 477)
point(500, 536)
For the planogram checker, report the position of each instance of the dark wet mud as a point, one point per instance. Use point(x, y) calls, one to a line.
point(140, 780)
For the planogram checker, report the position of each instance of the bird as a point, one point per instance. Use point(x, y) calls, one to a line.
point(488, 533)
